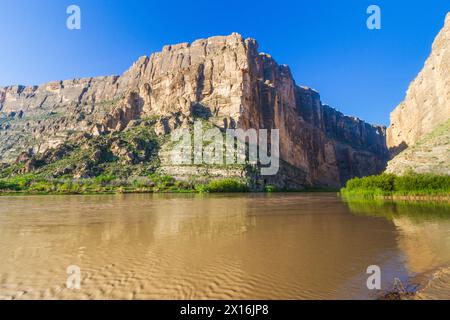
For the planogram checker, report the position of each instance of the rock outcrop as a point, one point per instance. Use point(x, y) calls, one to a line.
point(224, 77)
point(431, 154)
point(416, 124)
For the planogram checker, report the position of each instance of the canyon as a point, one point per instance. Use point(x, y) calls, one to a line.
point(223, 79)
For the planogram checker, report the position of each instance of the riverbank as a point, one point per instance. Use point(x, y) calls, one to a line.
point(31, 185)
point(410, 187)
point(108, 184)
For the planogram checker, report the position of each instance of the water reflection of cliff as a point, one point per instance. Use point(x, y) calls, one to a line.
point(423, 236)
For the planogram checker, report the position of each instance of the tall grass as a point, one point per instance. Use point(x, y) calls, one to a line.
point(411, 184)
point(223, 186)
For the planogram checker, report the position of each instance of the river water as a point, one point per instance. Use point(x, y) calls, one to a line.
point(253, 246)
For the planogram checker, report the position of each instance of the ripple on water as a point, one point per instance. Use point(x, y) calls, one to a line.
point(211, 247)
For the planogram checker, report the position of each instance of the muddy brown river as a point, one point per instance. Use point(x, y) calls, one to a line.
point(252, 246)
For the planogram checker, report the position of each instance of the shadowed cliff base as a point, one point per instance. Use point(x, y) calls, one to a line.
point(395, 151)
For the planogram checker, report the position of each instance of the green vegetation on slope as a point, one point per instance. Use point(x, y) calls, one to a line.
point(123, 154)
point(431, 154)
point(120, 162)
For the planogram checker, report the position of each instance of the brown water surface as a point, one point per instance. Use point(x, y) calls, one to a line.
point(254, 246)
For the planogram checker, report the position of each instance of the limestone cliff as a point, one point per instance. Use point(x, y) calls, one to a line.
point(416, 124)
point(225, 76)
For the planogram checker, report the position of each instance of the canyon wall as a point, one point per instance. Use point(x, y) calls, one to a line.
point(419, 137)
point(226, 78)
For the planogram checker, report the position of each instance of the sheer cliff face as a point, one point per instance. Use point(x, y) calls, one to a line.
point(427, 103)
point(327, 146)
point(420, 124)
point(226, 76)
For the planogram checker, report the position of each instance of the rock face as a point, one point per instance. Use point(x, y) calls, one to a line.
point(431, 154)
point(415, 122)
point(224, 77)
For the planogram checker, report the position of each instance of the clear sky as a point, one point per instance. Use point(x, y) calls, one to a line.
point(326, 43)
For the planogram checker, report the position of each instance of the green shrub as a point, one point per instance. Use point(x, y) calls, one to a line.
point(104, 179)
point(66, 187)
point(42, 186)
point(413, 182)
point(6, 185)
point(226, 185)
point(162, 181)
point(201, 188)
point(389, 184)
point(383, 182)
point(17, 183)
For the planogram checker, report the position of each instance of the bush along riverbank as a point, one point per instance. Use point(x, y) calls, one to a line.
point(108, 184)
point(30, 184)
point(411, 186)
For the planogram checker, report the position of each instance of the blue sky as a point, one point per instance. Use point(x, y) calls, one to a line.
point(326, 43)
